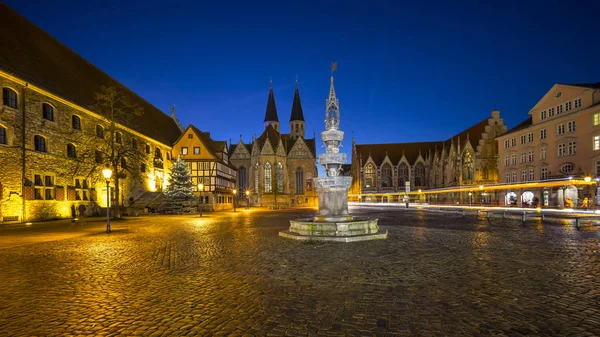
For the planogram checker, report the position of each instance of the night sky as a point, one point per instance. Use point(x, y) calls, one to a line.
point(409, 72)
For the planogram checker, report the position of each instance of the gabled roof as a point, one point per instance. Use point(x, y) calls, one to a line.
point(271, 113)
point(297, 114)
point(272, 135)
point(34, 56)
point(248, 147)
point(215, 146)
point(290, 142)
point(411, 150)
point(585, 85)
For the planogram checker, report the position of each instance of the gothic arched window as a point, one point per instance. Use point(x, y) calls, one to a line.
point(468, 166)
point(279, 178)
point(386, 176)
point(369, 176)
point(299, 181)
point(419, 174)
point(402, 175)
point(242, 180)
point(268, 178)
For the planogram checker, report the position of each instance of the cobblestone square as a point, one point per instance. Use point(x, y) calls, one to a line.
point(230, 274)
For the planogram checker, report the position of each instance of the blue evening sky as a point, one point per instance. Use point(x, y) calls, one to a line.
point(408, 71)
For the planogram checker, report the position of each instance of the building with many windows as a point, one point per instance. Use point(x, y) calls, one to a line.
point(277, 169)
point(550, 154)
point(386, 172)
point(50, 139)
point(208, 162)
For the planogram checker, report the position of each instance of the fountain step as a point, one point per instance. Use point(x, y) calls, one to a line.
point(354, 227)
point(353, 238)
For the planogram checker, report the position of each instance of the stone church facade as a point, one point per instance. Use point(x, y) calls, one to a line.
point(277, 169)
point(467, 158)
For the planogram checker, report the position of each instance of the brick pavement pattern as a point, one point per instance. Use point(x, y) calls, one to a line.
point(229, 274)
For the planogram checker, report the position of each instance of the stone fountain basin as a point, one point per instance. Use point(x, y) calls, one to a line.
point(344, 230)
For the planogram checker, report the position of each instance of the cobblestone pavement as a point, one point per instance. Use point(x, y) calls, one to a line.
point(230, 274)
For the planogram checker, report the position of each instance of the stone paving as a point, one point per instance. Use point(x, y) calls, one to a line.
point(229, 274)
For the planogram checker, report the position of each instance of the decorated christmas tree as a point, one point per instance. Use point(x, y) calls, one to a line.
point(179, 194)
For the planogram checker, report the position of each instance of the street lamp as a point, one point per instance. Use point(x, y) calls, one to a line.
point(234, 195)
point(107, 173)
point(470, 197)
point(200, 188)
point(247, 199)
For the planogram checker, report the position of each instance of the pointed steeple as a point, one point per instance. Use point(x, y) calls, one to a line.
point(271, 113)
point(332, 112)
point(297, 114)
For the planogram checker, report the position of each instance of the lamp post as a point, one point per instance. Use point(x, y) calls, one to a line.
point(200, 188)
point(470, 197)
point(247, 199)
point(107, 173)
point(234, 195)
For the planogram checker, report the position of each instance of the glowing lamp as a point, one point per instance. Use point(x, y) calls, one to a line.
point(587, 179)
point(234, 191)
point(107, 173)
point(200, 187)
point(247, 192)
point(480, 187)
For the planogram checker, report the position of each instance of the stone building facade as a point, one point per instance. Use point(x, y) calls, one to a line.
point(467, 158)
point(46, 126)
point(550, 154)
point(277, 169)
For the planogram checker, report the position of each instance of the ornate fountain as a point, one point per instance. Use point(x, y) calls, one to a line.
point(333, 222)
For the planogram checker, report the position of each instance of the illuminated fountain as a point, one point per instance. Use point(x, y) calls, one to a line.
point(333, 222)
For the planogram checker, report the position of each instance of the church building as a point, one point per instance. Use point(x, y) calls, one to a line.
point(277, 169)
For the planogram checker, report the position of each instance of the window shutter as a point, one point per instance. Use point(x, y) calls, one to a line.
point(29, 193)
point(59, 193)
point(71, 193)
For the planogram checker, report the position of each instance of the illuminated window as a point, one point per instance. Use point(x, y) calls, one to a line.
point(596, 142)
point(268, 178)
point(40, 143)
point(196, 150)
point(184, 150)
point(543, 153)
point(279, 178)
point(76, 122)
point(48, 112)
point(9, 97)
point(369, 176)
point(71, 151)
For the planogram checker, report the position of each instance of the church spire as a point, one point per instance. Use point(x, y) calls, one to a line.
point(332, 116)
point(297, 116)
point(271, 112)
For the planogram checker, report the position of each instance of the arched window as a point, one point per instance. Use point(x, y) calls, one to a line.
point(299, 181)
point(134, 143)
point(71, 151)
point(3, 135)
point(99, 131)
point(242, 180)
point(256, 178)
point(369, 175)
point(48, 111)
point(402, 175)
point(468, 171)
point(9, 97)
point(157, 153)
point(386, 175)
point(419, 174)
point(119, 138)
point(76, 122)
point(268, 178)
point(40, 143)
point(279, 178)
